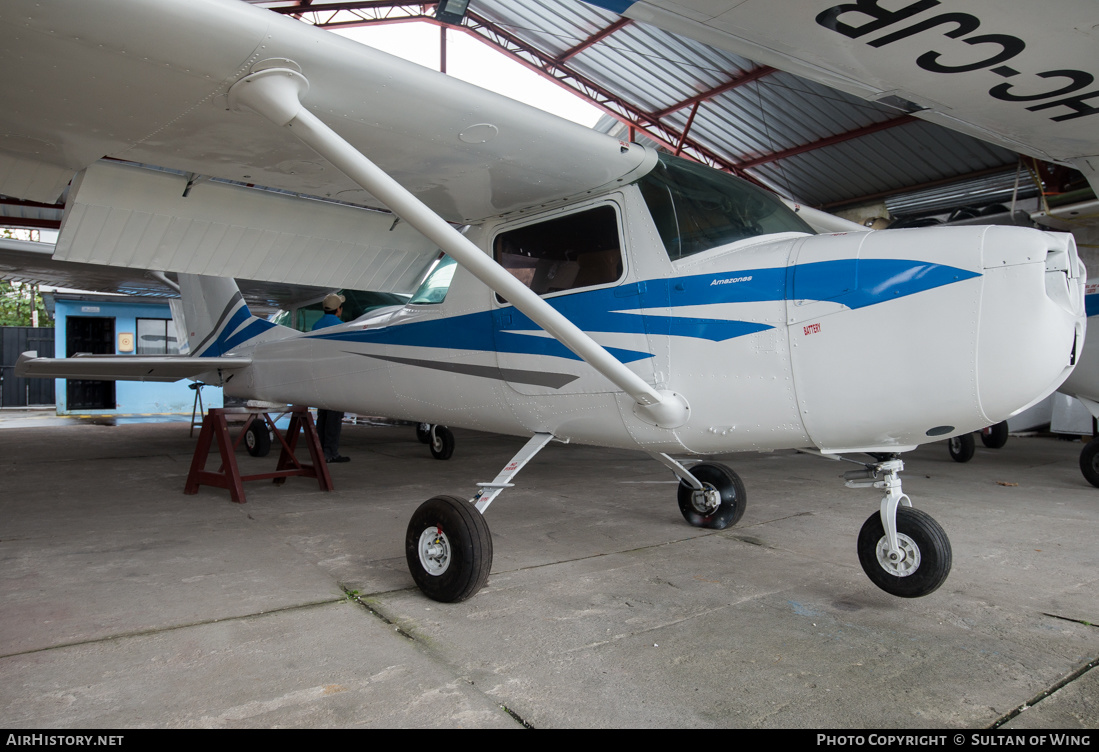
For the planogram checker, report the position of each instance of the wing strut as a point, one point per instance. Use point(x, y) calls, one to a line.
point(274, 89)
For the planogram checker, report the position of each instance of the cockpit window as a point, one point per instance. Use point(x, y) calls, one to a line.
point(582, 249)
point(697, 208)
point(435, 285)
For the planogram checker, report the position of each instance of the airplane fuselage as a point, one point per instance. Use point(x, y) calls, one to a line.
point(844, 342)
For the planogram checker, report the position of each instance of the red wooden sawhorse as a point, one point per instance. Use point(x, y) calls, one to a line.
point(228, 475)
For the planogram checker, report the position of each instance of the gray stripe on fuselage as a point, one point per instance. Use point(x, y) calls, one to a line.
point(224, 315)
point(537, 378)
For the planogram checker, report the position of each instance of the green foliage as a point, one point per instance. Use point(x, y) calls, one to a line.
point(19, 299)
point(16, 303)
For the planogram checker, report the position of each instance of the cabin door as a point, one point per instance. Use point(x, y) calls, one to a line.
point(574, 259)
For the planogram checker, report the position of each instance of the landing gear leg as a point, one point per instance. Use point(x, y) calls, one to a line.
point(903, 551)
point(448, 545)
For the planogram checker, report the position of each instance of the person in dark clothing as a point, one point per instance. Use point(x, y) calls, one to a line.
point(329, 422)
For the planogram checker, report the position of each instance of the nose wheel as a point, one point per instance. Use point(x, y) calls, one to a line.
point(921, 562)
point(902, 550)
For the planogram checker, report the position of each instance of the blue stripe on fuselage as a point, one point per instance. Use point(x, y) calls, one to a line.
point(1091, 304)
point(875, 280)
point(217, 347)
point(229, 336)
point(254, 329)
point(608, 310)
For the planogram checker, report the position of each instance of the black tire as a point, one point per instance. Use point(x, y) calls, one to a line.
point(994, 437)
point(1089, 462)
point(448, 548)
point(442, 443)
point(257, 439)
point(423, 432)
point(962, 447)
point(727, 484)
point(925, 538)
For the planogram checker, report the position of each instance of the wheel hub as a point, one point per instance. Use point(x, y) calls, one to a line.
point(434, 550)
point(706, 500)
point(899, 563)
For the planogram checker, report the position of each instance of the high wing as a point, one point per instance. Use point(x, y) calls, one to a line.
point(124, 367)
point(1016, 73)
point(145, 83)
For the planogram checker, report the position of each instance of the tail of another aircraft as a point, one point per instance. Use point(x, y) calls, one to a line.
point(218, 320)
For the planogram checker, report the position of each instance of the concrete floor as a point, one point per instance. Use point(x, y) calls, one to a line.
point(124, 603)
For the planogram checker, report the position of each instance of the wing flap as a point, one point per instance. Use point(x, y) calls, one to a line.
point(121, 215)
point(123, 367)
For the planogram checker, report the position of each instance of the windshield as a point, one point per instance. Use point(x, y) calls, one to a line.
point(435, 285)
point(697, 208)
point(356, 303)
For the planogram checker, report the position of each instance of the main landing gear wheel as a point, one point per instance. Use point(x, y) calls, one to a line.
point(257, 439)
point(448, 548)
point(1089, 462)
point(925, 556)
point(995, 437)
point(721, 503)
point(962, 447)
point(442, 442)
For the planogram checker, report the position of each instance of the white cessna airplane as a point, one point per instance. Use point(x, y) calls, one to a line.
point(593, 291)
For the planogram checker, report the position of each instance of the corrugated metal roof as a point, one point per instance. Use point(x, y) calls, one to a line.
point(654, 70)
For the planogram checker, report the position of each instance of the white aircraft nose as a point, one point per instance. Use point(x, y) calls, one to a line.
point(1031, 325)
point(969, 326)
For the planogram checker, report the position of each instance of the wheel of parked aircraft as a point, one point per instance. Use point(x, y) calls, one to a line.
point(1089, 462)
point(721, 503)
point(925, 560)
point(442, 443)
point(423, 432)
point(962, 447)
point(257, 439)
point(994, 437)
point(448, 548)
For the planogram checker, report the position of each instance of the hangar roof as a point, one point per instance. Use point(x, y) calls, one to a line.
point(807, 142)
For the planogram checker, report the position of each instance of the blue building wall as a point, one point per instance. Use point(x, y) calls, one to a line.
point(130, 396)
